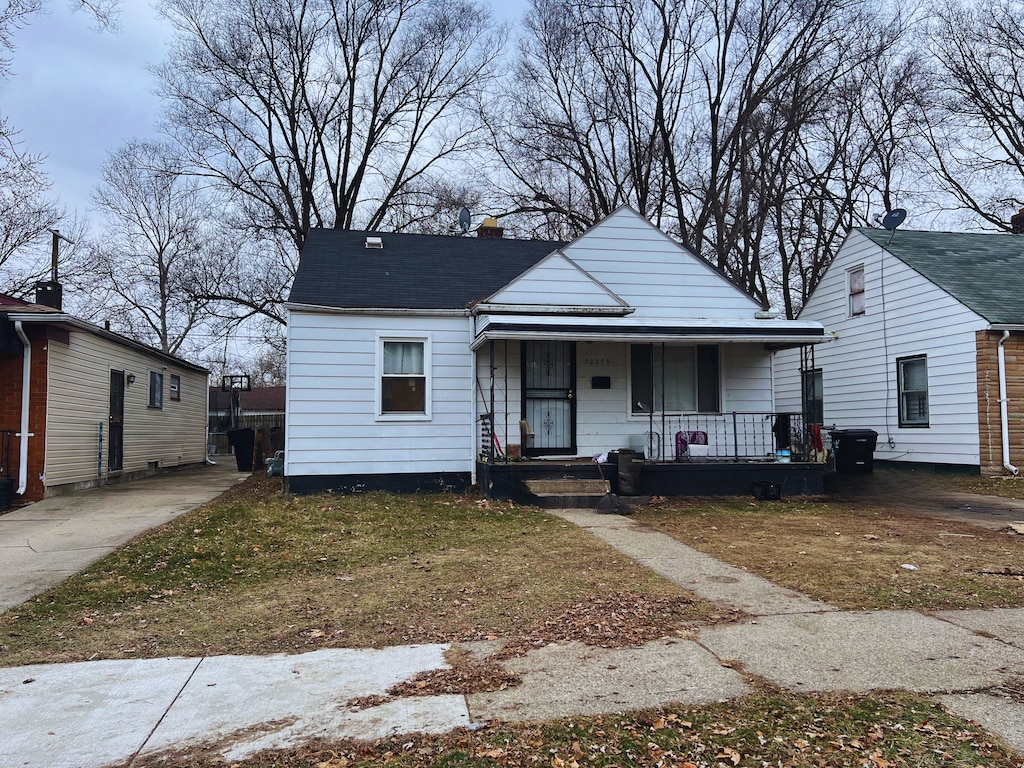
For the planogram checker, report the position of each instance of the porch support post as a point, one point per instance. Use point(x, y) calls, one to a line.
point(490, 446)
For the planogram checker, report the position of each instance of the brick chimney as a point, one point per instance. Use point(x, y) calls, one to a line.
point(50, 293)
point(490, 228)
point(1017, 222)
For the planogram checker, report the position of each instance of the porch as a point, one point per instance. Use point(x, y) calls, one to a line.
point(696, 455)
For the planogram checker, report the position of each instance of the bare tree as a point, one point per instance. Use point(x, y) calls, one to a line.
point(26, 210)
point(323, 112)
point(976, 116)
point(717, 119)
point(157, 239)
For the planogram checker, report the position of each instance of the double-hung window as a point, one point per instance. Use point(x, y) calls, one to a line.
point(674, 379)
point(912, 377)
point(856, 280)
point(404, 366)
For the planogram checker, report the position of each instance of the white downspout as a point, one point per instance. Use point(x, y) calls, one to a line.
point(1004, 419)
point(24, 435)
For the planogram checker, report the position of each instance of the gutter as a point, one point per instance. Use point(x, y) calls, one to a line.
point(1004, 419)
point(24, 435)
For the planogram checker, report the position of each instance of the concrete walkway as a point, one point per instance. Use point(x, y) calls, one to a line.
point(100, 713)
point(44, 543)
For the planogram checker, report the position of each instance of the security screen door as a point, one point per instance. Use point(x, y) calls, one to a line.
point(549, 396)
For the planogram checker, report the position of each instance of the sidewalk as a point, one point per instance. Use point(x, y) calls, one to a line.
point(46, 542)
point(110, 712)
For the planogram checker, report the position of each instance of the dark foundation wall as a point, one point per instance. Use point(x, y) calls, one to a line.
point(455, 482)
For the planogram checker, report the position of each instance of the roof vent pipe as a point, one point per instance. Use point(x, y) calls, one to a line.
point(374, 242)
point(1004, 425)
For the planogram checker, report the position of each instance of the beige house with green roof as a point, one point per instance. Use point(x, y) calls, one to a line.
point(927, 350)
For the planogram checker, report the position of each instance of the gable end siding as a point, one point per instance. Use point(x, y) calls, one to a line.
point(649, 271)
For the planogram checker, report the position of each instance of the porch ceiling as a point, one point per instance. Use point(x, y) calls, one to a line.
point(776, 332)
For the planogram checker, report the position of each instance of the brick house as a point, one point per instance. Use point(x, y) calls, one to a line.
point(98, 408)
point(928, 348)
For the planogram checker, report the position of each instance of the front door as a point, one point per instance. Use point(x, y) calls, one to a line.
point(115, 439)
point(549, 396)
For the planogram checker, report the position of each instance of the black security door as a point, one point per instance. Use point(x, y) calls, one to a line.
point(115, 440)
point(549, 396)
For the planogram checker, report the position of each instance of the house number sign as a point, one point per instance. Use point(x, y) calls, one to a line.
point(597, 361)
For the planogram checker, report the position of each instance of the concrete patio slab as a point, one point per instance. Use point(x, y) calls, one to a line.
point(701, 574)
point(567, 679)
point(865, 651)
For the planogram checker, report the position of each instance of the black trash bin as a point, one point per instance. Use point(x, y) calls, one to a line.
point(243, 441)
point(629, 472)
point(854, 450)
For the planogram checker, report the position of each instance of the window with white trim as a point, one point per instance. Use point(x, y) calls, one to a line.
point(156, 389)
point(403, 366)
point(673, 379)
point(912, 376)
point(857, 299)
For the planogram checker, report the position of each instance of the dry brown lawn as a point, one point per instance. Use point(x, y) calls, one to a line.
point(852, 554)
point(258, 571)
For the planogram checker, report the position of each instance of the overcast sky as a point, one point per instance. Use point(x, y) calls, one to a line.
point(77, 94)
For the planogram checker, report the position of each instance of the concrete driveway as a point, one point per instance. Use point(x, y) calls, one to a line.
point(44, 543)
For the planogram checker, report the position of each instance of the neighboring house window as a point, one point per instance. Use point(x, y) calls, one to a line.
point(156, 390)
point(403, 377)
point(674, 379)
point(912, 373)
point(813, 398)
point(857, 291)
point(175, 388)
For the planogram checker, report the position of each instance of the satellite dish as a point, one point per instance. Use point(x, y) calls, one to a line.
point(464, 219)
point(894, 218)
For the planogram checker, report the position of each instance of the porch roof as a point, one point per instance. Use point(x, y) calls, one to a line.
point(777, 333)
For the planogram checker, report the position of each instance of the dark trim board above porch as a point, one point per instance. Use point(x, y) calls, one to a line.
point(653, 330)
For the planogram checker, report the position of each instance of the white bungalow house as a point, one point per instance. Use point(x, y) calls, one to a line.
point(928, 348)
point(425, 362)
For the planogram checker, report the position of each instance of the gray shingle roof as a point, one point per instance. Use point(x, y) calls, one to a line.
point(985, 272)
point(336, 269)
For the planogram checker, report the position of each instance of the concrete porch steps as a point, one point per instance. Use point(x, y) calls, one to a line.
point(567, 493)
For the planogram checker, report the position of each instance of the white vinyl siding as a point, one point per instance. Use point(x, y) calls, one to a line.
point(860, 387)
point(77, 411)
point(555, 281)
point(645, 268)
point(333, 426)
